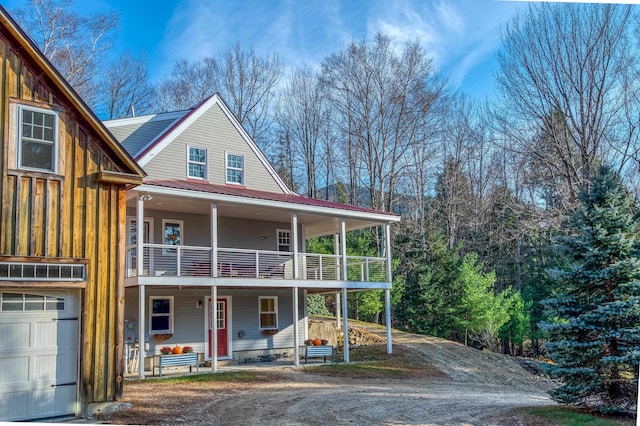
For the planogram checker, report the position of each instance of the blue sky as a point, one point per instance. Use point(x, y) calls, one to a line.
point(461, 35)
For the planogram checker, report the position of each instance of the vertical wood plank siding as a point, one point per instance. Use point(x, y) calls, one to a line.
point(68, 215)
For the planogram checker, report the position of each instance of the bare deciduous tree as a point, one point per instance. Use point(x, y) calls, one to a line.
point(246, 81)
point(75, 44)
point(303, 116)
point(380, 99)
point(125, 87)
point(566, 75)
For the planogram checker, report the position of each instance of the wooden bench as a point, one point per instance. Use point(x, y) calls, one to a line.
point(175, 361)
point(318, 351)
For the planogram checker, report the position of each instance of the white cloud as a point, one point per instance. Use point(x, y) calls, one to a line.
point(458, 35)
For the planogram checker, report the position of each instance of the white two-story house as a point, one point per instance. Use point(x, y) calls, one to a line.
point(220, 225)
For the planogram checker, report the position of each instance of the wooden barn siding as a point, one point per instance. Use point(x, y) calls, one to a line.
point(69, 216)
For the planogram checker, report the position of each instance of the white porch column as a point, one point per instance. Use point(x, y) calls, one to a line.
point(336, 251)
point(345, 325)
point(387, 249)
point(296, 337)
point(387, 311)
point(294, 237)
point(214, 240)
point(140, 234)
point(345, 321)
point(214, 328)
point(387, 293)
point(141, 332)
point(338, 309)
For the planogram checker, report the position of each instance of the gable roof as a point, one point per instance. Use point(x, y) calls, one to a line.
point(160, 130)
point(16, 37)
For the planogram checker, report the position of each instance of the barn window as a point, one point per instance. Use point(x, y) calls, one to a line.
point(35, 271)
point(268, 310)
point(161, 314)
point(21, 302)
point(37, 139)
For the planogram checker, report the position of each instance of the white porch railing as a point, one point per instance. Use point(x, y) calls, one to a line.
point(191, 261)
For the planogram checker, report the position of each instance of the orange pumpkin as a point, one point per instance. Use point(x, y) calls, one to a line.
point(317, 342)
point(176, 350)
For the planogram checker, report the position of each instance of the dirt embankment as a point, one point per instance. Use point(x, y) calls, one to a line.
point(463, 386)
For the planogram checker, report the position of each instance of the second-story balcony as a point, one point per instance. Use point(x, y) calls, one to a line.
point(166, 261)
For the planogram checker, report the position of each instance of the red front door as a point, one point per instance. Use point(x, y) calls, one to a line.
point(221, 323)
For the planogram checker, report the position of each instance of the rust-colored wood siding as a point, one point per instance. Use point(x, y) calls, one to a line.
point(70, 214)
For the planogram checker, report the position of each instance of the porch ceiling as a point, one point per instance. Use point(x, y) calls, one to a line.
point(315, 224)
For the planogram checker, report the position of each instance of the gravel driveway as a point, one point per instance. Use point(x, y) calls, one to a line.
point(468, 387)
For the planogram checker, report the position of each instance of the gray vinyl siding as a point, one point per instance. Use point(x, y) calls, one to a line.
point(189, 321)
point(245, 318)
point(232, 232)
point(134, 137)
point(214, 132)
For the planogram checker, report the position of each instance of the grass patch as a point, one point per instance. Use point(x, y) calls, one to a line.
point(568, 416)
point(231, 376)
point(373, 362)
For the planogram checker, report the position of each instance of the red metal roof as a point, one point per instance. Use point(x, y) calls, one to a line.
point(240, 191)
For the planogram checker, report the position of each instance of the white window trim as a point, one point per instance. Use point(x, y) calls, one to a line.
point(275, 307)
point(168, 252)
point(171, 314)
point(226, 168)
point(56, 142)
point(206, 161)
point(131, 220)
point(278, 231)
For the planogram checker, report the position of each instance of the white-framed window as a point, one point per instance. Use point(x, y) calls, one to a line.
point(37, 139)
point(283, 238)
point(235, 168)
point(171, 234)
point(132, 239)
point(23, 302)
point(196, 163)
point(268, 312)
point(160, 314)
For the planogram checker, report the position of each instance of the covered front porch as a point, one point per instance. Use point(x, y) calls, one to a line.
point(230, 323)
point(220, 242)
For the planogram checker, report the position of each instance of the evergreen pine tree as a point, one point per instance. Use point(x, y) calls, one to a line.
point(594, 339)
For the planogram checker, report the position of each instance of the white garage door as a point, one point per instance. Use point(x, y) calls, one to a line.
point(38, 353)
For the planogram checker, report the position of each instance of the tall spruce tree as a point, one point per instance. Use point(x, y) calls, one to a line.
point(594, 338)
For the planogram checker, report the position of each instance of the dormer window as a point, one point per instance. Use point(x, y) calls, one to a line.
point(235, 169)
point(37, 139)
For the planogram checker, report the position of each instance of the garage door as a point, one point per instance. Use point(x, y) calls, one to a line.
point(38, 353)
